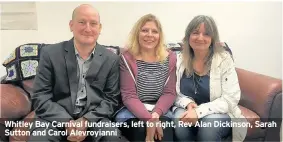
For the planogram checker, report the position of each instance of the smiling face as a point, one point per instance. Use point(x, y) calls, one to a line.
point(85, 25)
point(149, 35)
point(199, 39)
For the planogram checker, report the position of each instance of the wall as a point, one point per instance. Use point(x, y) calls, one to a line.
point(251, 29)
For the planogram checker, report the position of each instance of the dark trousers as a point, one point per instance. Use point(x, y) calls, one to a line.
point(48, 137)
point(139, 133)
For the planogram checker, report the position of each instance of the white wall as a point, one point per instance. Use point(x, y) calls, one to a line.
point(252, 29)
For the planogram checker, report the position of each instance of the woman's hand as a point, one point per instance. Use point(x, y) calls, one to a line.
point(155, 115)
point(154, 132)
point(159, 133)
point(150, 132)
point(189, 116)
point(191, 105)
point(78, 138)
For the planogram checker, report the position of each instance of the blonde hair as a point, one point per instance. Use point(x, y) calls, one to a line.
point(214, 48)
point(133, 42)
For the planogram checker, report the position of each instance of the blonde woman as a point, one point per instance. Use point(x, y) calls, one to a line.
point(148, 82)
point(207, 86)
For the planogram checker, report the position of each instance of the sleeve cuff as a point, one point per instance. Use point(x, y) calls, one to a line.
point(146, 119)
point(202, 111)
point(185, 101)
point(158, 111)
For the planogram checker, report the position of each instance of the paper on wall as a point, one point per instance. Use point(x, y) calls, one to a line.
point(18, 16)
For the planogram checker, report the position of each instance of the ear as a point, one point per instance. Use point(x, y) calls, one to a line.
point(100, 27)
point(71, 25)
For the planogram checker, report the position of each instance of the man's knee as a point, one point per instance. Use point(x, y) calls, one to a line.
point(45, 134)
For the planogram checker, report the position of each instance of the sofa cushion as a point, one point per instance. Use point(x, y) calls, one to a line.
point(114, 49)
point(252, 117)
point(14, 102)
point(175, 47)
point(178, 47)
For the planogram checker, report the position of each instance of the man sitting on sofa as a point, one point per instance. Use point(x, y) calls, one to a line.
point(77, 82)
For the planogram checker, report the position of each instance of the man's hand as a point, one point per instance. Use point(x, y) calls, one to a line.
point(69, 129)
point(82, 122)
point(191, 105)
point(189, 116)
point(83, 128)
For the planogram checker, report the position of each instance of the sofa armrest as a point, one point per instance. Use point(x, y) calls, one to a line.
point(259, 92)
point(15, 103)
point(275, 115)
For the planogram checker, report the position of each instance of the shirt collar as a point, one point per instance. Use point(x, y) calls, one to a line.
point(77, 53)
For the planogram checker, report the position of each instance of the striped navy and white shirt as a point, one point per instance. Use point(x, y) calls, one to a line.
point(151, 79)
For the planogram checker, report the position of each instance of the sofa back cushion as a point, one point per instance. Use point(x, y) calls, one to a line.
point(258, 91)
point(114, 49)
point(22, 63)
point(17, 73)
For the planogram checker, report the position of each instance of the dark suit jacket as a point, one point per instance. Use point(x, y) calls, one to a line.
point(56, 84)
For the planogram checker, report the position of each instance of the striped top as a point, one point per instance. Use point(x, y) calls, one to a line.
point(151, 79)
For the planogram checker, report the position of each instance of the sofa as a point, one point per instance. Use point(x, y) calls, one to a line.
point(261, 100)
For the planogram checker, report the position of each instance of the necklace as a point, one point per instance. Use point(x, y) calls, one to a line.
point(196, 84)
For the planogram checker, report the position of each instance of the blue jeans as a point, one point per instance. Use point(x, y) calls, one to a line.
point(124, 114)
point(202, 133)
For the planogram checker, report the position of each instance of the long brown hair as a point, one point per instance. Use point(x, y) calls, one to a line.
point(214, 48)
